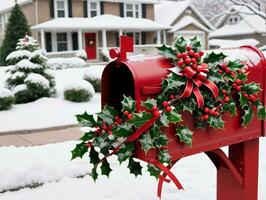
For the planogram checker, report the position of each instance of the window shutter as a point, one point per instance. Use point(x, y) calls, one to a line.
point(102, 7)
point(121, 7)
point(85, 8)
point(51, 8)
point(143, 37)
point(144, 10)
point(48, 42)
point(75, 41)
point(69, 8)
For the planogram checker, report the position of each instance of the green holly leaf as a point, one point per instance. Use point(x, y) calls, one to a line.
point(184, 134)
point(214, 57)
point(149, 103)
point(242, 76)
point(86, 120)
point(189, 105)
point(173, 81)
point(170, 117)
point(79, 150)
point(216, 122)
point(125, 151)
point(94, 156)
point(105, 168)
point(139, 119)
point(230, 107)
point(248, 114)
point(122, 130)
point(180, 44)
point(146, 142)
point(108, 114)
point(195, 44)
point(88, 136)
point(160, 141)
point(154, 171)
point(94, 173)
point(134, 167)
point(235, 65)
point(129, 104)
point(261, 112)
point(243, 100)
point(167, 52)
point(251, 88)
point(164, 157)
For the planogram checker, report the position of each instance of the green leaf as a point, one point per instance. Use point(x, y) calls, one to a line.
point(243, 100)
point(173, 81)
point(94, 173)
point(184, 134)
point(149, 103)
point(129, 104)
point(154, 171)
point(164, 157)
point(195, 44)
point(94, 156)
point(146, 142)
point(87, 136)
point(105, 168)
point(213, 57)
point(125, 151)
point(122, 130)
point(79, 150)
point(86, 120)
point(251, 88)
point(216, 122)
point(108, 114)
point(140, 118)
point(160, 141)
point(134, 167)
point(181, 44)
point(230, 107)
point(189, 105)
point(248, 114)
point(170, 117)
point(261, 113)
point(167, 52)
point(235, 65)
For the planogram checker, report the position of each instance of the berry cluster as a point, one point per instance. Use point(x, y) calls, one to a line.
point(250, 97)
point(225, 69)
point(104, 129)
point(167, 107)
point(237, 84)
point(190, 58)
point(155, 111)
point(128, 114)
point(208, 112)
point(226, 98)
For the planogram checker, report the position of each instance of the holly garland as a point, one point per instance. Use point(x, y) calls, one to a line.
point(206, 86)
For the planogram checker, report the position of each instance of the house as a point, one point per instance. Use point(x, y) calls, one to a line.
point(240, 23)
point(185, 20)
point(66, 26)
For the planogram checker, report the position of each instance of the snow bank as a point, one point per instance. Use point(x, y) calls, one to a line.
point(220, 43)
point(26, 64)
point(82, 55)
point(80, 85)
point(65, 63)
point(18, 54)
point(94, 72)
point(37, 79)
point(5, 93)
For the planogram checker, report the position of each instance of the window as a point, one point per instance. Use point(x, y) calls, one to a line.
point(61, 8)
point(93, 8)
point(132, 10)
point(61, 39)
point(48, 42)
point(136, 36)
point(233, 19)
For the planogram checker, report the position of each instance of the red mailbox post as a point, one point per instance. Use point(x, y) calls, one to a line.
point(237, 174)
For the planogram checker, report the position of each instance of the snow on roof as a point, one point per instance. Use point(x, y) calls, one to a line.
point(249, 24)
point(7, 5)
point(135, 1)
point(185, 21)
point(232, 43)
point(107, 22)
point(174, 10)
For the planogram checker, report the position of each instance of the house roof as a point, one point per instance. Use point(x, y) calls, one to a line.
point(174, 10)
point(249, 24)
point(102, 22)
point(7, 5)
point(185, 21)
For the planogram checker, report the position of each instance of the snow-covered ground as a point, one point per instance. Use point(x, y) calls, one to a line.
point(50, 163)
point(48, 112)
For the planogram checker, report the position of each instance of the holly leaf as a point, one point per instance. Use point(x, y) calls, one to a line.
point(243, 100)
point(214, 57)
point(170, 117)
point(134, 167)
point(87, 136)
point(146, 142)
point(79, 150)
point(149, 103)
point(184, 134)
point(94, 156)
point(230, 107)
point(139, 119)
point(251, 88)
point(108, 114)
point(160, 141)
point(216, 122)
point(129, 104)
point(261, 112)
point(233, 66)
point(195, 44)
point(86, 120)
point(189, 105)
point(122, 130)
point(94, 173)
point(242, 76)
point(248, 114)
point(105, 168)
point(125, 151)
point(164, 157)
point(181, 44)
point(167, 52)
point(154, 171)
point(173, 81)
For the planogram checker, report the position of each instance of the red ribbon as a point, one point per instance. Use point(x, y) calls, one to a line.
point(195, 80)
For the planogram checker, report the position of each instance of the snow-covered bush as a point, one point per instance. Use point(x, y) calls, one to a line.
point(28, 77)
point(82, 55)
point(93, 75)
point(105, 55)
point(80, 91)
point(65, 63)
point(6, 99)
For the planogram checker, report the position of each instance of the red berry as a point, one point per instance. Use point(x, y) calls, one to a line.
point(245, 95)
point(129, 116)
point(193, 60)
point(212, 112)
point(156, 113)
point(179, 55)
point(206, 110)
point(195, 66)
point(201, 53)
point(110, 132)
point(223, 66)
point(172, 96)
point(216, 113)
point(165, 104)
point(227, 70)
point(104, 127)
point(233, 74)
point(238, 81)
point(220, 71)
point(238, 88)
point(200, 68)
point(168, 109)
point(188, 48)
point(154, 108)
point(188, 61)
point(234, 85)
point(180, 63)
point(89, 144)
point(184, 55)
point(206, 117)
point(224, 91)
point(196, 55)
point(117, 118)
point(226, 99)
point(191, 53)
point(126, 112)
point(252, 97)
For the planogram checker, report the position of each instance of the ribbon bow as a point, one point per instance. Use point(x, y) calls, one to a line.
point(195, 79)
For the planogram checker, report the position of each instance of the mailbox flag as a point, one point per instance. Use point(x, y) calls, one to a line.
point(126, 45)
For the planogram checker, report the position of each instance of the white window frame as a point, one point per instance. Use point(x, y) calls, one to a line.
point(65, 8)
point(67, 41)
point(134, 9)
point(98, 9)
point(134, 36)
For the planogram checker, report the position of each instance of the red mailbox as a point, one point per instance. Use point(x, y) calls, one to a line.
point(237, 174)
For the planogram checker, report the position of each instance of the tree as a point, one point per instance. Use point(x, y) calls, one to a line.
point(28, 76)
point(17, 27)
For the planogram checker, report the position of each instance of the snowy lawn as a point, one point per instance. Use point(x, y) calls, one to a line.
point(50, 163)
point(48, 112)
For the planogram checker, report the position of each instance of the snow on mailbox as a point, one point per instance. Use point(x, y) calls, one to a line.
point(184, 102)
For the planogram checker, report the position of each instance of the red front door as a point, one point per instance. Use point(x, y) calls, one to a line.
point(91, 50)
